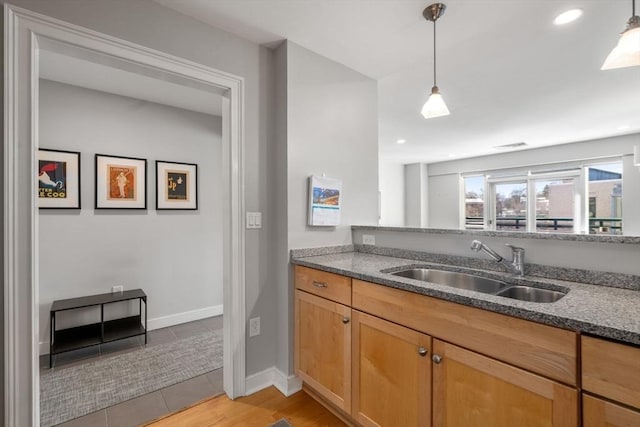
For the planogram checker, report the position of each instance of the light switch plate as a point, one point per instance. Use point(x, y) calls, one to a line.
point(254, 220)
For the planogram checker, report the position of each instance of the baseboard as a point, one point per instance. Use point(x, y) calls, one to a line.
point(164, 322)
point(187, 316)
point(286, 384)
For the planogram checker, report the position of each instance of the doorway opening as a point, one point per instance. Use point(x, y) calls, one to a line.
point(28, 36)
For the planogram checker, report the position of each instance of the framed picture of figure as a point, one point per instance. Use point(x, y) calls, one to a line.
point(121, 182)
point(58, 179)
point(176, 185)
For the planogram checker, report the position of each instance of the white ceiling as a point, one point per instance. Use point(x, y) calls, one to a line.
point(84, 72)
point(506, 72)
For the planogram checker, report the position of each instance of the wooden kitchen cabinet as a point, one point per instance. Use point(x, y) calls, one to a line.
point(358, 348)
point(610, 370)
point(601, 413)
point(323, 347)
point(391, 373)
point(474, 390)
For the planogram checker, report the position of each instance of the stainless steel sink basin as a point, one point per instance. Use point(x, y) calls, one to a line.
point(481, 284)
point(453, 279)
point(528, 293)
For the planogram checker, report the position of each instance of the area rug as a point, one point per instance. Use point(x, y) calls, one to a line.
point(72, 392)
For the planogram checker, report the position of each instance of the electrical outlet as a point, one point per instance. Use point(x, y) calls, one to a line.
point(368, 239)
point(117, 289)
point(254, 326)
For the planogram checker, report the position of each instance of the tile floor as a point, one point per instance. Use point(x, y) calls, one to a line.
point(153, 405)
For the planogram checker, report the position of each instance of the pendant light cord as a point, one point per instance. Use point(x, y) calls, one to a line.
point(434, 52)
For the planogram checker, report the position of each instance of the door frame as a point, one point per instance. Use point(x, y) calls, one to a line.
point(24, 32)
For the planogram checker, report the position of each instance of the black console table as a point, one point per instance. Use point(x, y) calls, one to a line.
point(64, 340)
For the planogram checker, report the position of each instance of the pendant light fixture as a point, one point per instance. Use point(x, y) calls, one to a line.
point(627, 51)
point(435, 106)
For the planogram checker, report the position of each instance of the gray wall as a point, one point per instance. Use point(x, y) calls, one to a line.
point(329, 126)
point(609, 257)
point(332, 129)
point(147, 23)
point(2, 340)
point(175, 256)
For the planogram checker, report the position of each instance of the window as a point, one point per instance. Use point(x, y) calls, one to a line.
point(605, 198)
point(474, 202)
point(585, 198)
point(510, 206)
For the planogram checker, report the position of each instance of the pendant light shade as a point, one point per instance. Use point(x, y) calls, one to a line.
point(435, 106)
point(627, 51)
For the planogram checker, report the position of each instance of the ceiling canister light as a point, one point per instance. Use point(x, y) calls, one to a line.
point(435, 106)
point(627, 51)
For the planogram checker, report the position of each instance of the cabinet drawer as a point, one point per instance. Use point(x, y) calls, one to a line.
point(327, 285)
point(611, 370)
point(545, 350)
point(598, 413)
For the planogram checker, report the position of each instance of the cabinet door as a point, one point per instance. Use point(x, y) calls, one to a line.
point(391, 373)
point(600, 413)
point(474, 390)
point(611, 370)
point(322, 354)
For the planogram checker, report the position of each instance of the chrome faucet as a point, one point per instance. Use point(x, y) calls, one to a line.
point(516, 266)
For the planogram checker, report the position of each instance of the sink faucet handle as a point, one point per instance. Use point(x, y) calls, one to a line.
point(515, 249)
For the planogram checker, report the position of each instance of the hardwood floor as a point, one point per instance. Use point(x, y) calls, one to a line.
point(260, 409)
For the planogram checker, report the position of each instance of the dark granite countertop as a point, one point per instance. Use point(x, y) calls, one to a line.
point(603, 311)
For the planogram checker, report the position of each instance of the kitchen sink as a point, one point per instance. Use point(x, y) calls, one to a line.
point(481, 284)
point(454, 279)
point(528, 293)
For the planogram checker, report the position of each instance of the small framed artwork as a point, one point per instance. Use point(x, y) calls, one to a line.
point(121, 182)
point(58, 179)
point(176, 185)
point(325, 200)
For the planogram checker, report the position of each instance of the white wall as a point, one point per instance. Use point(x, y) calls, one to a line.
point(416, 195)
point(174, 256)
point(392, 201)
point(148, 24)
point(329, 125)
point(631, 195)
point(444, 201)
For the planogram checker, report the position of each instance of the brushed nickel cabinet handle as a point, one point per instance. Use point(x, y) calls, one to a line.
point(319, 284)
point(422, 351)
point(436, 359)
point(345, 320)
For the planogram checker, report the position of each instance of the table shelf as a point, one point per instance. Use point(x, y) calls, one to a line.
point(63, 340)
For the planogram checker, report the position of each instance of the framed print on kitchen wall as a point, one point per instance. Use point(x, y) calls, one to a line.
point(121, 182)
point(176, 186)
point(325, 201)
point(58, 179)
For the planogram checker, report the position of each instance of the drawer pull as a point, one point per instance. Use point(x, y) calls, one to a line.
point(319, 284)
point(422, 351)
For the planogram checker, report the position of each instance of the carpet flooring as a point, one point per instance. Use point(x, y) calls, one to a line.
point(78, 390)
